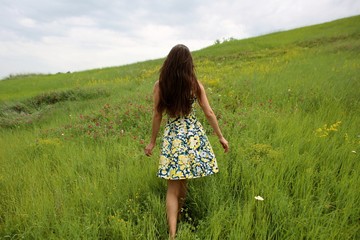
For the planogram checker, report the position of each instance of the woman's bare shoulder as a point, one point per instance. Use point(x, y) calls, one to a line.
point(202, 88)
point(156, 88)
point(156, 85)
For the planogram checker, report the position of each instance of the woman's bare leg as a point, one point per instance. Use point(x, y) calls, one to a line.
point(182, 195)
point(175, 197)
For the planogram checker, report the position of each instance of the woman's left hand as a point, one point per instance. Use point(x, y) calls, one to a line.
point(149, 148)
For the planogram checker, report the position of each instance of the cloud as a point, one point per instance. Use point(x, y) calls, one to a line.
point(67, 35)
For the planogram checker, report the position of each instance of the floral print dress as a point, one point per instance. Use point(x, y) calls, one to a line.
point(186, 151)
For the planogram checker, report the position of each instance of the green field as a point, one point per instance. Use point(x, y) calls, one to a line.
point(72, 164)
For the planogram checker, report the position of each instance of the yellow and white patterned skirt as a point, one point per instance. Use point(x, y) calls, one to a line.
point(186, 151)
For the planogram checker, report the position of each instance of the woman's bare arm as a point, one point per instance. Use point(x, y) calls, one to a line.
point(211, 117)
point(156, 121)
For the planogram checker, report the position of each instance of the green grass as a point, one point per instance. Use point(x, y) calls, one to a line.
point(72, 163)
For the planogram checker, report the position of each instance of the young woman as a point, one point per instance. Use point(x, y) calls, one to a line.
point(186, 151)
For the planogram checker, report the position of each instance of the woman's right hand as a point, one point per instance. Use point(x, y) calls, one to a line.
point(224, 144)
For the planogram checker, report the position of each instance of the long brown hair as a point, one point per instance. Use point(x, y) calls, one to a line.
point(178, 83)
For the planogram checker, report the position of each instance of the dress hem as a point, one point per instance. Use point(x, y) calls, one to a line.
point(182, 178)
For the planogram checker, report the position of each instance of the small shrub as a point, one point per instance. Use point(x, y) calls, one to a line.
point(30, 110)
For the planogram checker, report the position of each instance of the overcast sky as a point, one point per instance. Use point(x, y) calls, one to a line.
point(49, 36)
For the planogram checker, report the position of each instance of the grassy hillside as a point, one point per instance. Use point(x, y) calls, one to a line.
point(72, 162)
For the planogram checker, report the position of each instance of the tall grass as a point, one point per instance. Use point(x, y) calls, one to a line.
point(289, 104)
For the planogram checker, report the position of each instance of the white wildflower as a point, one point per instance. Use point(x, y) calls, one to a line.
point(259, 198)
